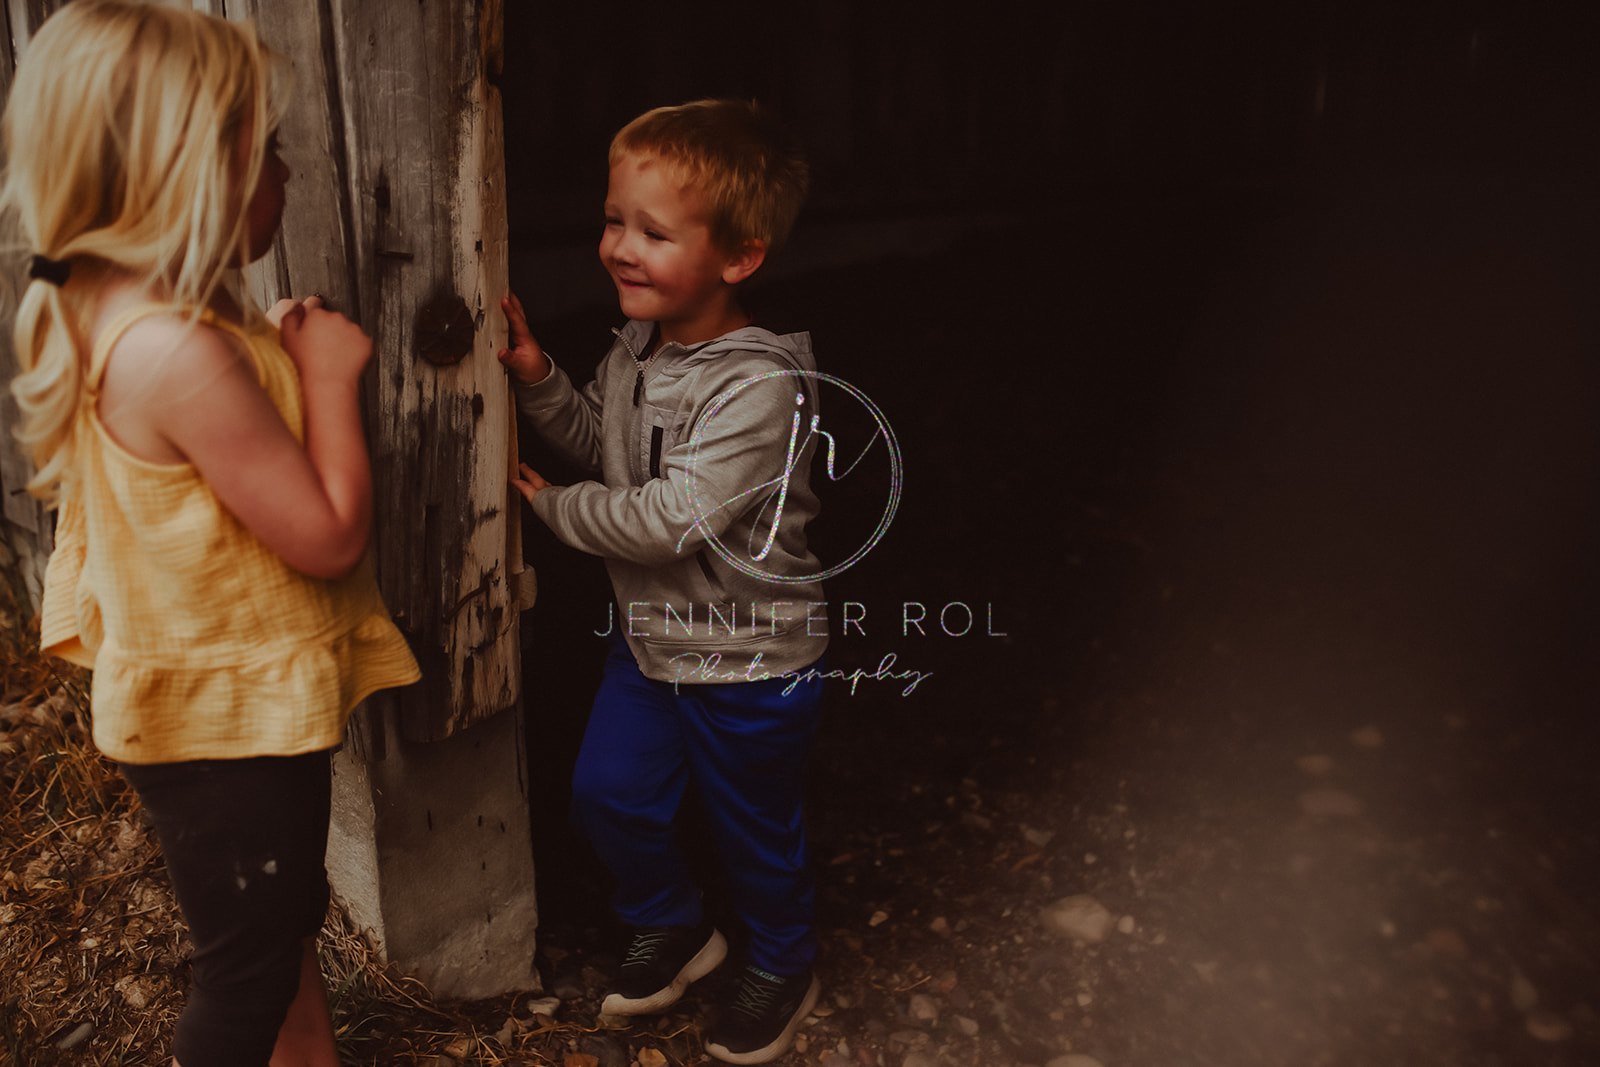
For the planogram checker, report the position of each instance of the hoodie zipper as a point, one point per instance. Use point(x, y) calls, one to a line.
point(644, 364)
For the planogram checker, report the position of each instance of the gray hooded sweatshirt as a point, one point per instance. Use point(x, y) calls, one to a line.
point(691, 448)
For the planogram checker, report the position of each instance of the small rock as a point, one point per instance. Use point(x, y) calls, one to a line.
point(1085, 999)
point(1546, 1025)
point(801, 1044)
point(833, 1059)
point(547, 1006)
point(842, 999)
point(458, 1049)
point(76, 1036)
point(652, 1057)
point(566, 987)
point(923, 1008)
point(1126, 925)
point(1080, 917)
point(507, 1031)
point(1367, 737)
point(133, 991)
point(1037, 838)
point(918, 1058)
point(940, 926)
point(967, 1027)
point(1089, 859)
point(1524, 997)
point(1315, 766)
point(878, 918)
point(1326, 801)
point(910, 1038)
point(973, 819)
point(1207, 971)
point(1386, 928)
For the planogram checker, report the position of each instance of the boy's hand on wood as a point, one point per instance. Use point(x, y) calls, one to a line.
point(530, 483)
point(524, 359)
point(325, 346)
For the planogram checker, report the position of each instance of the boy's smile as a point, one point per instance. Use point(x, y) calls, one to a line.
point(658, 249)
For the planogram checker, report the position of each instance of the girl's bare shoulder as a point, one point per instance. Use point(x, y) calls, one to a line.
point(165, 344)
point(157, 368)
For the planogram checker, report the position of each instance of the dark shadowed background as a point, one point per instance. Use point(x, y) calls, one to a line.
point(1244, 364)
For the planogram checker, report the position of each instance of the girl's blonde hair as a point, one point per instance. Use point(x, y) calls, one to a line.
point(123, 140)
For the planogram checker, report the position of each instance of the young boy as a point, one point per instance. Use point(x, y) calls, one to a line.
point(694, 423)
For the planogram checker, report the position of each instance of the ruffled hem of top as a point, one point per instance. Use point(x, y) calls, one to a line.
point(267, 707)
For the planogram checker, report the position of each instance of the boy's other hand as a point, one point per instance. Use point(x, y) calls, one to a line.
point(524, 359)
point(530, 483)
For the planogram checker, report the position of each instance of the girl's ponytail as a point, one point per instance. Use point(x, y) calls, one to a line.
point(50, 384)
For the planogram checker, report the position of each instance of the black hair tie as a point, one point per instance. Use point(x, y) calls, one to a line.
point(54, 271)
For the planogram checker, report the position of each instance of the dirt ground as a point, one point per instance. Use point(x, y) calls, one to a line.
point(1283, 503)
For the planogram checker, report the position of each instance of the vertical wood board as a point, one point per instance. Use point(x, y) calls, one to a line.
point(427, 213)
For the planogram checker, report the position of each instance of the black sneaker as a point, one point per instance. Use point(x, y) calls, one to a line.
point(763, 1012)
point(660, 963)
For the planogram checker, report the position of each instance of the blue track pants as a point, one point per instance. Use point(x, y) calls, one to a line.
point(744, 744)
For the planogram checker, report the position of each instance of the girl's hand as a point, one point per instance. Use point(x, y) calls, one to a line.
point(325, 346)
point(524, 359)
point(530, 483)
point(277, 311)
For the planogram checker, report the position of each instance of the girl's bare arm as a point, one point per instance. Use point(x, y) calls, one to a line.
point(204, 405)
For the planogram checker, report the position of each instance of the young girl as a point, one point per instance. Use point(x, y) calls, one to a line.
point(211, 549)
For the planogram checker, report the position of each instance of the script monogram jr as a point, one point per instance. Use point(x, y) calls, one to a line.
point(777, 488)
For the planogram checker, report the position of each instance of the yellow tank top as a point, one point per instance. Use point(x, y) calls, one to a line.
point(203, 642)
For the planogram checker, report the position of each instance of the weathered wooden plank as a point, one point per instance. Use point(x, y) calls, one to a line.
point(396, 215)
point(26, 16)
point(424, 141)
point(312, 253)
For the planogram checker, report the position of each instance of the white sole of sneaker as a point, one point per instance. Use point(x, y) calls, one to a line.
point(780, 1044)
point(702, 963)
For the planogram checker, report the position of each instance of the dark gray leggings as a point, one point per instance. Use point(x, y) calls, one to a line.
point(244, 842)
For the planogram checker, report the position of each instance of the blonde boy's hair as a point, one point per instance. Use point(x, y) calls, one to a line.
point(122, 136)
point(729, 151)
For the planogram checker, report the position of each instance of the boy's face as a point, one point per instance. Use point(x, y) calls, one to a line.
point(657, 247)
